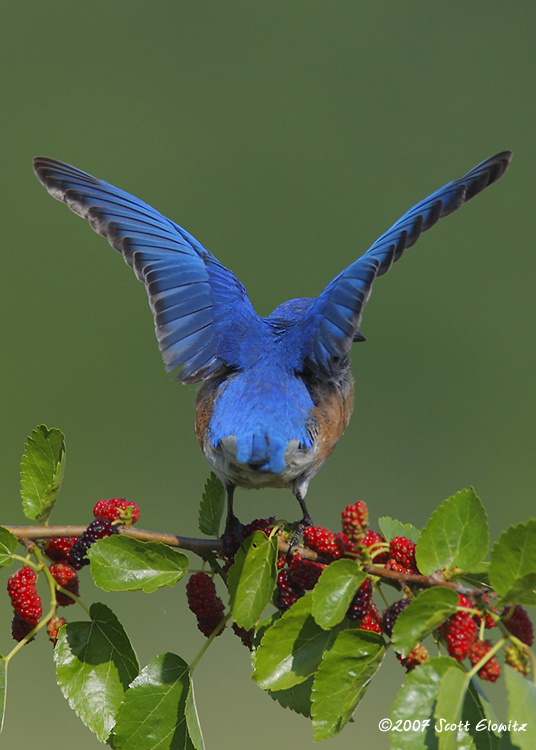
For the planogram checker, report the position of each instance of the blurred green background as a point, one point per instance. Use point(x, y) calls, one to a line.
point(286, 136)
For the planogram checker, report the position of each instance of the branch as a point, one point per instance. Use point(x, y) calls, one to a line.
point(199, 546)
point(204, 547)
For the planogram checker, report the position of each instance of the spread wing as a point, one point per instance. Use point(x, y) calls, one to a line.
point(201, 310)
point(333, 319)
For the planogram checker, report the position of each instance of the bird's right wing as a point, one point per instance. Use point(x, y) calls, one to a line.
point(332, 321)
point(201, 310)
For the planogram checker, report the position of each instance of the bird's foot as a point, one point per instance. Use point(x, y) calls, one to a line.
point(297, 535)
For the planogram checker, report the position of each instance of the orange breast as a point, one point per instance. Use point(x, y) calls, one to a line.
point(332, 414)
point(204, 404)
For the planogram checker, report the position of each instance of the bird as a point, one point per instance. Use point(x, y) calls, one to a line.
point(276, 392)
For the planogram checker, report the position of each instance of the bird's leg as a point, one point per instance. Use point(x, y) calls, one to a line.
point(232, 536)
point(302, 525)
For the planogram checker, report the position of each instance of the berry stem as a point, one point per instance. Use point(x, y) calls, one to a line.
point(41, 624)
point(27, 561)
point(209, 640)
point(493, 650)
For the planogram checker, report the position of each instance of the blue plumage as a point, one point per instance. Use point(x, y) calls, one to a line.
point(277, 392)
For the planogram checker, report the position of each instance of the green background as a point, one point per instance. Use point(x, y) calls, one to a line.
point(286, 136)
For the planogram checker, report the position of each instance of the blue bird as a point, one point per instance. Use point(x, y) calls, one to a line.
point(277, 392)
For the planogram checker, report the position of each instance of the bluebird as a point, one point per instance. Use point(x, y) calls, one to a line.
point(277, 392)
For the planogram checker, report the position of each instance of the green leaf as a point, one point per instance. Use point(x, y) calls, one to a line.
point(261, 627)
point(334, 592)
point(478, 577)
point(512, 570)
point(3, 691)
point(460, 719)
point(390, 528)
point(414, 705)
point(192, 720)
point(456, 535)
point(476, 709)
point(154, 711)
point(8, 545)
point(291, 649)
point(342, 678)
point(120, 563)
point(211, 507)
point(521, 709)
point(297, 698)
point(252, 577)
point(94, 665)
point(428, 610)
point(449, 707)
point(41, 472)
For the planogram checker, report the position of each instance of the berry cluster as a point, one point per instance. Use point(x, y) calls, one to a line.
point(418, 655)
point(491, 669)
point(117, 509)
point(402, 555)
point(518, 658)
point(97, 529)
point(67, 578)
point(519, 624)
point(293, 581)
point(460, 632)
point(205, 603)
point(67, 556)
point(355, 521)
point(53, 627)
point(329, 545)
point(360, 604)
point(390, 615)
point(25, 600)
point(59, 549)
point(107, 513)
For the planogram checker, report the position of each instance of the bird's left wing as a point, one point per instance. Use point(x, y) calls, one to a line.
point(201, 310)
point(331, 322)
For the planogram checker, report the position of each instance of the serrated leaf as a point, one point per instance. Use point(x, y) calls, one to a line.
point(390, 528)
point(211, 506)
point(414, 705)
point(342, 678)
point(513, 563)
point(297, 698)
point(41, 472)
point(252, 577)
point(8, 545)
point(120, 563)
point(153, 712)
point(292, 649)
point(455, 536)
point(3, 691)
point(428, 610)
point(95, 664)
point(334, 592)
point(521, 708)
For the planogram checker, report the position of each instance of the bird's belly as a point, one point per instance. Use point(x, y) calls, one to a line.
point(222, 461)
